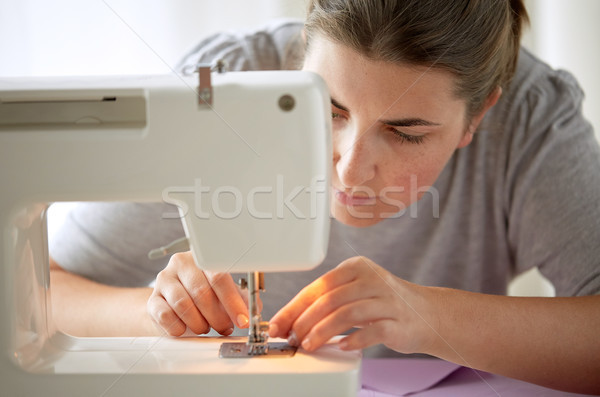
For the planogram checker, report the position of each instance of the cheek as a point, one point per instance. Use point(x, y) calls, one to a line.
point(417, 170)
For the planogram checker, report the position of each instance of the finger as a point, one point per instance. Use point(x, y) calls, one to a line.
point(369, 335)
point(282, 322)
point(231, 297)
point(341, 320)
point(329, 303)
point(184, 307)
point(204, 298)
point(164, 316)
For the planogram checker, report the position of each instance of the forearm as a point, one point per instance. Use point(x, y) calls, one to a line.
point(549, 341)
point(81, 307)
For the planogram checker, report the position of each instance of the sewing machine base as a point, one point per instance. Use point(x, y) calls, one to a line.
point(153, 366)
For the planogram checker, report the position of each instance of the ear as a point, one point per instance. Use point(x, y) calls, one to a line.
point(489, 102)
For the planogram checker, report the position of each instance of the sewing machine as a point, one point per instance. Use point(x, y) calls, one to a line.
point(245, 156)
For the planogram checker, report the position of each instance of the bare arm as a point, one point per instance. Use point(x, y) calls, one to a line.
point(81, 307)
point(553, 342)
point(184, 297)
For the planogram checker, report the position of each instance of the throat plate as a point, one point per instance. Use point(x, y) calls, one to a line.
point(242, 350)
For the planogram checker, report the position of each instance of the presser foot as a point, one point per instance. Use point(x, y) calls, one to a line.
point(246, 350)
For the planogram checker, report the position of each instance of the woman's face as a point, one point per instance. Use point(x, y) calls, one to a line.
point(394, 129)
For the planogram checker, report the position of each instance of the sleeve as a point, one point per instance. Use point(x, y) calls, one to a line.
point(109, 242)
point(554, 187)
point(276, 46)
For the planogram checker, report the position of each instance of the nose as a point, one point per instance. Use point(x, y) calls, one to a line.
point(355, 160)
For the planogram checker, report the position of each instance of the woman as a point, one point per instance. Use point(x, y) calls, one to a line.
point(455, 168)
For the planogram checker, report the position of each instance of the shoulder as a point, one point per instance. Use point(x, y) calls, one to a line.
point(545, 166)
point(274, 46)
point(541, 109)
point(538, 95)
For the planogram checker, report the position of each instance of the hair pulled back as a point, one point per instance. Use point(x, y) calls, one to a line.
point(475, 40)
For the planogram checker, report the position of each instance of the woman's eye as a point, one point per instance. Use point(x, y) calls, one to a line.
point(406, 138)
point(335, 115)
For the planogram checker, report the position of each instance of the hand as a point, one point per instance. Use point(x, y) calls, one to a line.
point(361, 294)
point(185, 296)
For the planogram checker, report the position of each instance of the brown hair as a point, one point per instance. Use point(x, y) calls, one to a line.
point(476, 40)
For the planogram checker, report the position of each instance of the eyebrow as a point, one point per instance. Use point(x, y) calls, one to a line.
point(409, 122)
point(406, 122)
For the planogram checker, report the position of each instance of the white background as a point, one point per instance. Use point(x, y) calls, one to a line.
point(87, 37)
point(66, 37)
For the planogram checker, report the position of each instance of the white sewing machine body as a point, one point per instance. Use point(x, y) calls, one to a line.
point(250, 174)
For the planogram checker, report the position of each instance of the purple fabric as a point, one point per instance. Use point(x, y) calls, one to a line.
point(437, 378)
point(398, 377)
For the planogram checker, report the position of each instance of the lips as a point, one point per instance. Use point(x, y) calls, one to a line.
point(353, 200)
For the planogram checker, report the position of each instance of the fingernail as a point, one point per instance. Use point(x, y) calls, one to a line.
point(273, 330)
point(292, 339)
point(306, 344)
point(242, 320)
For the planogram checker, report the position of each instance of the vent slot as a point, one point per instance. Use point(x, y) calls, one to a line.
point(107, 111)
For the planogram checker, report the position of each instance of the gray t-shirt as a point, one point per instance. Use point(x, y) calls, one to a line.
point(523, 194)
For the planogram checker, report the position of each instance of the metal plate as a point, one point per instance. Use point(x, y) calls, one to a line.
point(241, 350)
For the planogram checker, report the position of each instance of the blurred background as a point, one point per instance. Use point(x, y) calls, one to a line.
point(91, 37)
